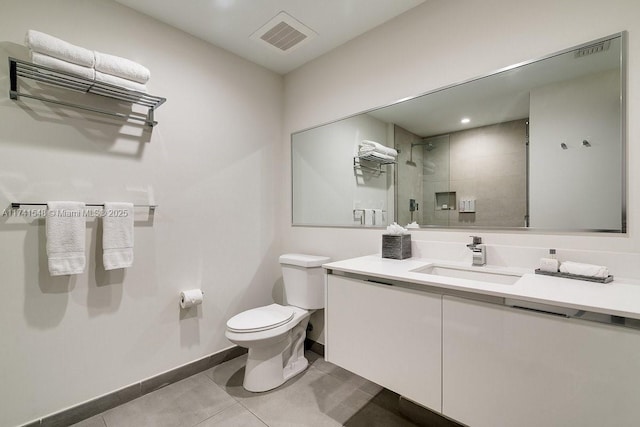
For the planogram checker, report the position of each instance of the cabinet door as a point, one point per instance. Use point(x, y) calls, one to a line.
point(505, 367)
point(387, 334)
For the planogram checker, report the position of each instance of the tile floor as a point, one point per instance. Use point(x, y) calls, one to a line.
point(324, 395)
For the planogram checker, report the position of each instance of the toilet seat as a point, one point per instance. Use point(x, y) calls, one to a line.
point(260, 319)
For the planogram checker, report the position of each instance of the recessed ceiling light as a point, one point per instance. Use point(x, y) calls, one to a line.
point(465, 120)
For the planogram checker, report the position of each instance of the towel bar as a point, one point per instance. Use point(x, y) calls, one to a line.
point(61, 79)
point(16, 205)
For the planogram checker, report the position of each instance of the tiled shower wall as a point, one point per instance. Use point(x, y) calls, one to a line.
point(487, 164)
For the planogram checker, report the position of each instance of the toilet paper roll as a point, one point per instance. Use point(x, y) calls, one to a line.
point(191, 298)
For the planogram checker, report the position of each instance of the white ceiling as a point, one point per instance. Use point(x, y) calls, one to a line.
point(230, 23)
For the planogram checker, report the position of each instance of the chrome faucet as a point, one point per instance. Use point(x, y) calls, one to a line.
point(479, 251)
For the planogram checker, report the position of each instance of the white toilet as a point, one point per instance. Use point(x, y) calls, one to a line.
point(275, 334)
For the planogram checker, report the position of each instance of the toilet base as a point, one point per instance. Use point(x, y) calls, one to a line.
point(270, 367)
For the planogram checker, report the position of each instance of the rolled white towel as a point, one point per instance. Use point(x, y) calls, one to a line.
point(581, 269)
point(121, 67)
point(118, 81)
point(60, 65)
point(380, 148)
point(53, 46)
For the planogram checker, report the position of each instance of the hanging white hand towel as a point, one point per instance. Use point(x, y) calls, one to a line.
point(368, 217)
point(377, 217)
point(117, 235)
point(65, 230)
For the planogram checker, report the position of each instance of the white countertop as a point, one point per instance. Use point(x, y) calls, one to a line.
point(619, 298)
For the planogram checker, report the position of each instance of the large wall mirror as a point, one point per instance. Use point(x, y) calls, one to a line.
point(537, 146)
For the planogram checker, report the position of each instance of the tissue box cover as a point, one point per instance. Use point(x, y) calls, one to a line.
point(396, 246)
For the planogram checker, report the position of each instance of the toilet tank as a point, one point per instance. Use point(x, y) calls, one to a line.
point(303, 277)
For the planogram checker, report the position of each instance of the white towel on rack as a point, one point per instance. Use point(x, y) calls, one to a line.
point(60, 65)
point(378, 148)
point(117, 235)
point(119, 81)
point(121, 67)
point(53, 46)
point(65, 230)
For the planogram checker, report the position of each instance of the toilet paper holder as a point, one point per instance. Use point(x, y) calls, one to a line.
point(191, 298)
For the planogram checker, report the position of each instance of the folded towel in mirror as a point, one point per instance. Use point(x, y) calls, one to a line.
point(379, 148)
point(581, 269)
point(53, 46)
point(121, 67)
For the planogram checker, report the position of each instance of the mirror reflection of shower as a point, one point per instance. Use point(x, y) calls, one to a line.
point(435, 178)
point(426, 143)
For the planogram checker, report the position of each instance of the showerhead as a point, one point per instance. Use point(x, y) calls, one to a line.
point(428, 145)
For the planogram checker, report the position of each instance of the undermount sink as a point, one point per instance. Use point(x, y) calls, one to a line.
point(482, 274)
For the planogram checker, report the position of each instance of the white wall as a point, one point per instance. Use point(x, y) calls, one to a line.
point(328, 152)
point(209, 165)
point(440, 43)
point(574, 189)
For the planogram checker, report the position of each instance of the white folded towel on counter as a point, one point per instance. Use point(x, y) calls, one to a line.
point(60, 65)
point(581, 269)
point(117, 235)
point(53, 46)
point(65, 231)
point(119, 81)
point(368, 145)
point(121, 67)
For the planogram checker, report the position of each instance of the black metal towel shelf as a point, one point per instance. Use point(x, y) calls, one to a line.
point(28, 70)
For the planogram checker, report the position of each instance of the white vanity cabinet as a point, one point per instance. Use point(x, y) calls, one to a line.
point(506, 367)
point(390, 335)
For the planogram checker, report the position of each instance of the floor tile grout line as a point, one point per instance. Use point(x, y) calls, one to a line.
point(255, 415)
point(237, 401)
point(341, 379)
point(221, 388)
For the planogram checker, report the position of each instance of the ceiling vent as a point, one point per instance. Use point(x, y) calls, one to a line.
point(283, 33)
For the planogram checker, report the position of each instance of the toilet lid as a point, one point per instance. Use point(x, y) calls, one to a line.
point(260, 319)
